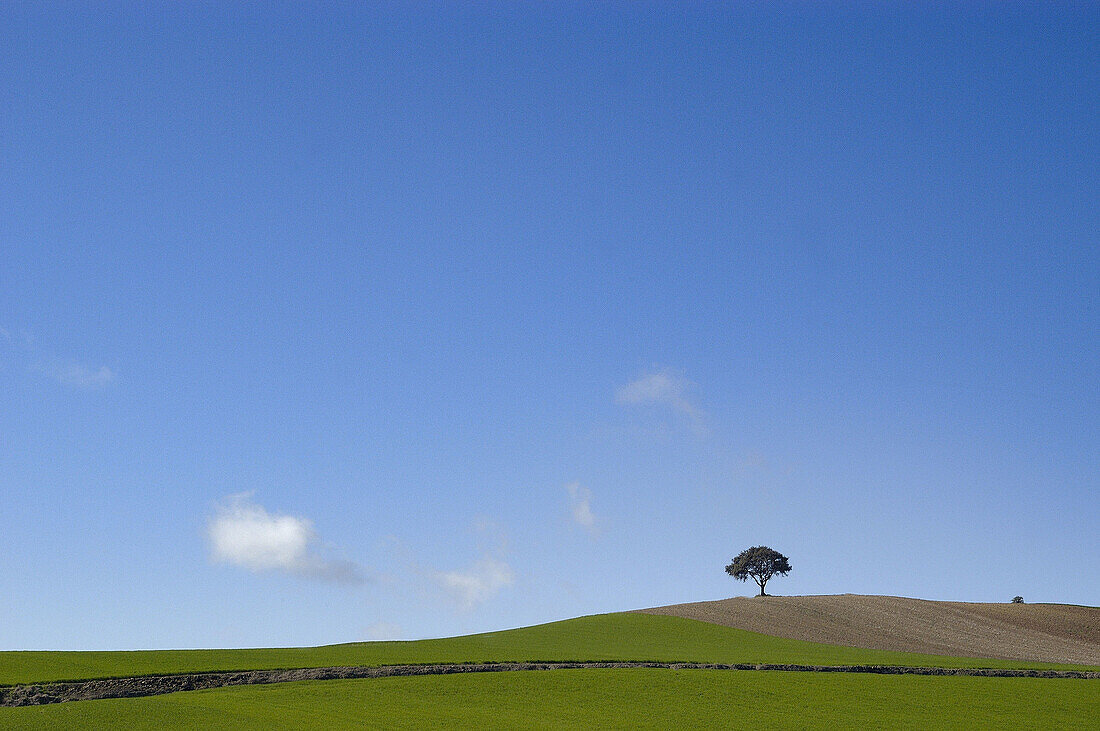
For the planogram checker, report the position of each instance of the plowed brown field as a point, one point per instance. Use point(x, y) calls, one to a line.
point(1061, 633)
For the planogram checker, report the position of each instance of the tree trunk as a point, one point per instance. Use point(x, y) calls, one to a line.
point(762, 588)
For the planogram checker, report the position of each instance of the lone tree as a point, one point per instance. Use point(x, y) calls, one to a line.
point(759, 562)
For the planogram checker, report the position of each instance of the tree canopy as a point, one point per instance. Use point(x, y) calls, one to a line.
point(759, 562)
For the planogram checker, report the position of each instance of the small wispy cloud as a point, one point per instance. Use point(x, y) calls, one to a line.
point(384, 631)
point(83, 377)
point(478, 584)
point(242, 533)
point(71, 372)
point(580, 506)
point(663, 387)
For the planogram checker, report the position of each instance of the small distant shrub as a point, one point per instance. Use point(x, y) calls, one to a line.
point(1017, 600)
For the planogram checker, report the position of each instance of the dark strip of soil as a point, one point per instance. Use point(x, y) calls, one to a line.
point(43, 693)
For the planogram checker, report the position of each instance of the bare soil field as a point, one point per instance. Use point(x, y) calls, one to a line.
point(1061, 633)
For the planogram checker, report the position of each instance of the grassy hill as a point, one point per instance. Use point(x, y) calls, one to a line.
point(606, 698)
point(623, 636)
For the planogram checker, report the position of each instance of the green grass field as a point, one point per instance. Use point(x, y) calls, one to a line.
point(601, 698)
point(622, 636)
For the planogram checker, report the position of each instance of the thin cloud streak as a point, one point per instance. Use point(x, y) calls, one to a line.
point(82, 377)
point(381, 631)
point(663, 387)
point(64, 370)
point(580, 506)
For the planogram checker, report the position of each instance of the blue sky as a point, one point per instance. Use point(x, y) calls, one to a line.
point(337, 323)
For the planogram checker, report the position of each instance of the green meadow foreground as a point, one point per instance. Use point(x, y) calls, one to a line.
point(570, 698)
point(600, 698)
point(605, 637)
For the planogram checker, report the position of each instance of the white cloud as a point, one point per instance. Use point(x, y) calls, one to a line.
point(478, 584)
point(79, 376)
point(580, 506)
point(244, 534)
point(665, 388)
